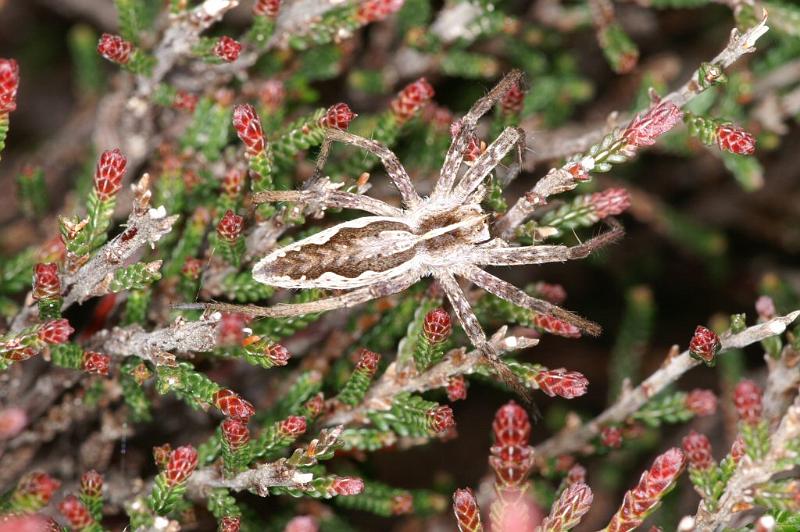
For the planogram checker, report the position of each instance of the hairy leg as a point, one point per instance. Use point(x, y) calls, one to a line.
point(510, 256)
point(476, 335)
point(285, 310)
point(512, 294)
point(329, 198)
point(396, 172)
point(489, 159)
point(452, 161)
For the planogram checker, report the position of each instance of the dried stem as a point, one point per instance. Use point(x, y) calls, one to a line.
point(572, 440)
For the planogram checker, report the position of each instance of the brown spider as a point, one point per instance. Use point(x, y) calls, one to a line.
point(446, 235)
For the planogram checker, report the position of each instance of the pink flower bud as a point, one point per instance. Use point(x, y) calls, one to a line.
point(347, 486)
point(735, 140)
point(39, 485)
point(96, 363)
point(513, 100)
point(248, 128)
point(185, 101)
point(765, 307)
point(182, 463)
point(554, 293)
point(293, 426)
point(566, 384)
point(611, 436)
point(235, 433)
point(46, 283)
point(114, 48)
point(76, 513)
point(227, 49)
point(338, 116)
point(375, 10)
point(232, 405)
point(109, 173)
point(698, 450)
point(701, 402)
point(56, 331)
point(437, 325)
point(267, 8)
point(230, 226)
point(229, 523)
point(272, 94)
point(367, 362)
point(465, 507)
point(552, 325)
point(646, 128)
point(12, 421)
point(456, 388)
point(92, 484)
point(302, 523)
point(411, 99)
point(747, 400)
point(9, 83)
point(440, 419)
point(705, 345)
point(610, 202)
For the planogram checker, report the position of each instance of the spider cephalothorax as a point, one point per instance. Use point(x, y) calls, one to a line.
point(445, 236)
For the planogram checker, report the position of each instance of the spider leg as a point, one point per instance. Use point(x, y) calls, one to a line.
point(286, 310)
point(511, 256)
point(476, 335)
point(394, 169)
point(329, 198)
point(489, 159)
point(455, 154)
point(512, 294)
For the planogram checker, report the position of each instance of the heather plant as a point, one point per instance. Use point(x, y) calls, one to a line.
point(203, 330)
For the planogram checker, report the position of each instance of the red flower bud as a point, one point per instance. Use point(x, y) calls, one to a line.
point(248, 127)
point(230, 226)
point(465, 507)
point(512, 457)
point(96, 363)
point(192, 268)
point(109, 173)
point(440, 419)
point(402, 504)
point(9, 83)
point(40, 485)
point(705, 345)
point(232, 182)
point(456, 388)
point(76, 513)
point(610, 202)
point(701, 402)
point(747, 400)
point(182, 463)
point(338, 116)
point(437, 325)
point(114, 48)
point(513, 100)
point(367, 361)
point(229, 523)
point(347, 486)
point(267, 8)
point(552, 325)
point(92, 484)
point(511, 425)
point(735, 140)
point(227, 49)
point(554, 293)
point(185, 101)
point(272, 94)
point(738, 449)
point(56, 331)
point(566, 384)
point(411, 99)
point(611, 437)
point(293, 426)
point(278, 354)
point(161, 454)
point(473, 150)
point(232, 405)
point(235, 432)
point(46, 283)
point(698, 450)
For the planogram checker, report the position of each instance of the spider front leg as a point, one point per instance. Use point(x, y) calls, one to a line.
point(394, 169)
point(476, 335)
point(455, 154)
point(488, 160)
point(512, 256)
point(512, 294)
point(346, 300)
point(329, 198)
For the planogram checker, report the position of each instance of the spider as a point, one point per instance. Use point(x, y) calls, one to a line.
point(445, 235)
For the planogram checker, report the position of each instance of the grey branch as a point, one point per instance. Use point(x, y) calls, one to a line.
point(155, 346)
point(739, 44)
point(145, 226)
point(572, 440)
point(258, 480)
